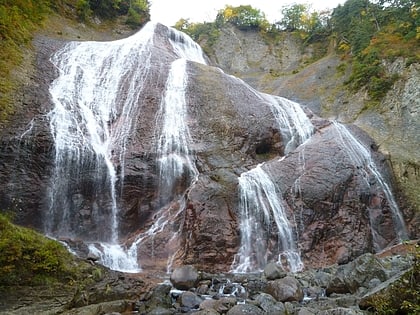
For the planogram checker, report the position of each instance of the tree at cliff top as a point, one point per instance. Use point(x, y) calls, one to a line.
point(244, 17)
point(369, 32)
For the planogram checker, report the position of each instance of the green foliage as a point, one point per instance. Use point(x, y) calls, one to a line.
point(244, 17)
point(18, 18)
point(293, 17)
point(83, 10)
point(307, 24)
point(371, 32)
point(369, 72)
point(354, 24)
point(403, 297)
point(138, 13)
point(29, 258)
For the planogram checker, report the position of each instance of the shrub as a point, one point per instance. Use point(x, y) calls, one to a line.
point(403, 296)
point(29, 258)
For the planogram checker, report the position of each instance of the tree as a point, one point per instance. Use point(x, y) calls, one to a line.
point(300, 18)
point(293, 17)
point(355, 22)
point(244, 17)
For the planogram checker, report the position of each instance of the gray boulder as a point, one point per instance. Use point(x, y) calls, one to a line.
point(273, 271)
point(287, 289)
point(269, 304)
point(184, 277)
point(242, 309)
point(190, 300)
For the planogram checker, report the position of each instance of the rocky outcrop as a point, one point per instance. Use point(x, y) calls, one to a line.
point(319, 85)
point(334, 208)
point(309, 292)
point(213, 293)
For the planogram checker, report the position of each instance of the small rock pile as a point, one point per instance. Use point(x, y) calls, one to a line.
point(338, 289)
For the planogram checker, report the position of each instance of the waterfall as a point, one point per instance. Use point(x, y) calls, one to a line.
point(175, 162)
point(96, 105)
point(260, 202)
point(260, 206)
point(185, 47)
point(362, 159)
point(174, 159)
point(294, 125)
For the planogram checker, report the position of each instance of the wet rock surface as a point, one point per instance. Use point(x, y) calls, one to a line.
point(218, 293)
point(315, 291)
point(233, 129)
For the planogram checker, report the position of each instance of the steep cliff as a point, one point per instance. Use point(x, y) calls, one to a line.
point(102, 184)
point(316, 78)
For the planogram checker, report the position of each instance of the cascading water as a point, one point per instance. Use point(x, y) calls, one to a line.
point(260, 204)
point(174, 159)
point(364, 162)
point(259, 198)
point(294, 125)
point(185, 47)
point(96, 98)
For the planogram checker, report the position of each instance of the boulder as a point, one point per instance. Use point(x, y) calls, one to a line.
point(221, 305)
point(358, 273)
point(245, 309)
point(184, 277)
point(287, 289)
point(269, 304)
point(274, 271)
point(190, 300)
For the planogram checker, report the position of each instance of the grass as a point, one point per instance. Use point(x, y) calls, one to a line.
point(28, 258)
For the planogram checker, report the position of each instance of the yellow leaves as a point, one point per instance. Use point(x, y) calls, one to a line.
point(228, 13)
point(344, 47)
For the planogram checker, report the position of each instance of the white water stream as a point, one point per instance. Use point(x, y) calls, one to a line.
point(293, 123)
point(362, 158)
point(175, 161)
point(96, 99)
point(174, 157)
point(261, 204)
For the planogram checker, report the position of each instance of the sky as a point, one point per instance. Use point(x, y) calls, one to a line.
point(168, 12)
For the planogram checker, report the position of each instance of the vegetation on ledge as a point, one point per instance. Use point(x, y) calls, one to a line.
point(366, 33)
point(403, 296)
point(29, 258)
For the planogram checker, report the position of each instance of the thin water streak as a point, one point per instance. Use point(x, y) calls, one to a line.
point(363, 160)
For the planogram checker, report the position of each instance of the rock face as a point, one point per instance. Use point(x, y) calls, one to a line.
point(393, 124)
point(336, 208)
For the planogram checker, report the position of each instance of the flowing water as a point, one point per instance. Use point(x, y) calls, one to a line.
point(97, 98)
point(261, 205)
point(364, 162)
point(293, 123)
point(96, 105)
point(177, 170)
point(174, 156)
